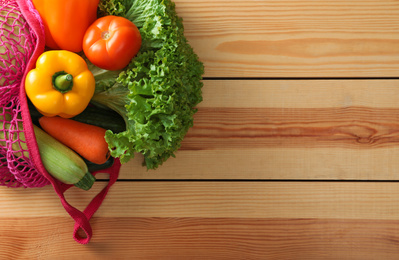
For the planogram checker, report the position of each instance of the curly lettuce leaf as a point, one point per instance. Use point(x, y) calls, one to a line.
point(157, 93)
point(112, 7)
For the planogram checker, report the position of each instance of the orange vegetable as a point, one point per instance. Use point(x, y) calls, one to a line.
point(87, 140)
point(111, 42)
point(66, 21)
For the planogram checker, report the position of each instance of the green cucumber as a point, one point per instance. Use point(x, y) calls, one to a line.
point(93, 115)
point(105, 118)
point(96, 167)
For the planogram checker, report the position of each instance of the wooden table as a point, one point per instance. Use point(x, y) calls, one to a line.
point(294, 153)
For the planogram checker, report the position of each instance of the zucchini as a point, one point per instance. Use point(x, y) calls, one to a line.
point(92, 115)
point(60, 161)
point(63, 163)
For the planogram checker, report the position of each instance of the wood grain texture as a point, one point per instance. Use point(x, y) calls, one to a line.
point(202, 238)
point(305, 129)
point(226, 199)
point(264, 172)
point(295, 120)
point(294, 38)
point(353, 127)
point(272, 164)
point(202, 220)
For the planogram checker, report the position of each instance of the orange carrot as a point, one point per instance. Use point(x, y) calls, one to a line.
point(87, 140)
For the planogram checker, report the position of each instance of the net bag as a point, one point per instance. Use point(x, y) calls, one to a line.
point(21, 42)
point(17, 46)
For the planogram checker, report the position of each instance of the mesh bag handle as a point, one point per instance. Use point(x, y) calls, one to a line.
point(81, 218)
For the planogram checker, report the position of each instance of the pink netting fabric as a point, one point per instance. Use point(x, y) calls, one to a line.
point(17, 44)
point(21, 42)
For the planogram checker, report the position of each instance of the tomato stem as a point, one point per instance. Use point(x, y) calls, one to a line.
point(105, 35)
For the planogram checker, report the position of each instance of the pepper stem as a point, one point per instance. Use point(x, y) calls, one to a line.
point(62, 81)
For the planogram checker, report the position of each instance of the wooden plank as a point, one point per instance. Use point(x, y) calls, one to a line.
point(377, 93)
point(271, 164)
point(318, 129)
point(202, 238)
point(294, 38)
point(180, 220)
point(332, 200)
point(347, 127)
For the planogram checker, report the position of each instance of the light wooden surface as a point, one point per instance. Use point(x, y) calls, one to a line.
point(294, 153)
point(297, 38)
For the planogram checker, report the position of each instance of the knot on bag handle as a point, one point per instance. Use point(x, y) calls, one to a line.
point(82, 219)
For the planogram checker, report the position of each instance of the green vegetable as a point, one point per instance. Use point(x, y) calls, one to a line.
point(96, 167)
point(60, 161)
point(157, 93)
point(93, 115)
point(105, 118)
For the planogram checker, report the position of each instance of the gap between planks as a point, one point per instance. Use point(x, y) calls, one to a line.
point(291, 129)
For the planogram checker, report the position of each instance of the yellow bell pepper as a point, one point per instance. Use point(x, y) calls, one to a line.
point(61, 84)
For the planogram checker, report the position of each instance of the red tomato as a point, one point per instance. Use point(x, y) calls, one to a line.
point(111, 42)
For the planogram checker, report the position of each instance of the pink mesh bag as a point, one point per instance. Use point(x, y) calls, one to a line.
point(21, 43)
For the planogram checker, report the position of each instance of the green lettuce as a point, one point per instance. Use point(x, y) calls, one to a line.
point(158, 91)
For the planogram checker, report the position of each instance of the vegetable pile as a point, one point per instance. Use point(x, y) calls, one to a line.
point(157, 92)
point(126, 81)
point(117, 78)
